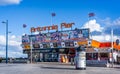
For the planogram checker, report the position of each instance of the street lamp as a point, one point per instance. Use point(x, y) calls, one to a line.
point(112, 46)
point(31, 48)
point(6, 22)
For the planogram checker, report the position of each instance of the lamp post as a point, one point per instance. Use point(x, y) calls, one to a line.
point(112, 46)
point(31, 48)
point(6, 22)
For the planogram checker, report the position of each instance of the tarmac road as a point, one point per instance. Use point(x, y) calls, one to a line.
point(53, 68)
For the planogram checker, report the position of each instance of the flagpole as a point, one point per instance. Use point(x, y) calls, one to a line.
point(24, 26)
point(51, 20)
point(90, 15)
point(88, 26)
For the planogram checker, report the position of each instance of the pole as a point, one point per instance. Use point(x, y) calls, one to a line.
point(6, 41)
point(89, 27)
point(51, 20)
point(112, 45)
point(31, 47)
point(6, 23)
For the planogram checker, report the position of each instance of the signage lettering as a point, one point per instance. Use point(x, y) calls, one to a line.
point(53, 27)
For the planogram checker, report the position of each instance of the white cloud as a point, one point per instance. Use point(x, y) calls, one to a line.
point(98, 38)
point(14, 48)
point(19, 54)
point(105, 31)
point(12, 54)
point(93, 25)
point(2, 39)
point(117, 21)
point(105, 38)
point(9, 2)
point(12, 40)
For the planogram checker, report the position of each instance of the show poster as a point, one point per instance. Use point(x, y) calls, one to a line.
point(65, 35)
point(32, 38)
point(59, 44)
point(71, 44)
point(44, 45)
point(25, 39)
point(48, 45)
point(67, 44)
point(55, 45)
point(36, 46)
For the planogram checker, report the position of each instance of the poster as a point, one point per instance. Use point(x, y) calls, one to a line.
point(54, 37)
point(55, 45)
point(59, 44)
point(65, 35)
point(67, 44)
point(36, 46)
point(71, 44)
point(25, 39)
point(44, 45)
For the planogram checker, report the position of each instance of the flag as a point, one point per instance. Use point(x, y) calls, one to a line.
point(24, 25)
point(53, 14)
point(91, 14)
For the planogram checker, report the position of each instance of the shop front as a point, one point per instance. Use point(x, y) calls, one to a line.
point(51, 55)
point(97, 56)
point(54, 46)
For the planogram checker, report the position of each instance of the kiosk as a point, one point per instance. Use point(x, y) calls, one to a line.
point(80, 58)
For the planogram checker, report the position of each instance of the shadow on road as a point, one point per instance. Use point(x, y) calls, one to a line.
point(58, 68)
point(117, 67)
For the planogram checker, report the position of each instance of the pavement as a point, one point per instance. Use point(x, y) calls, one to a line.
point(54, 68)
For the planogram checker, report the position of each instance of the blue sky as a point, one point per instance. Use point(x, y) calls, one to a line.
point(36, 13)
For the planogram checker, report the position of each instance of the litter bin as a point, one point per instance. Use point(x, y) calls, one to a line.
point(80, 58)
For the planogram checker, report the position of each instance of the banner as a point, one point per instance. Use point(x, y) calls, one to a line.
point(95, 44)
point(69, 36)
